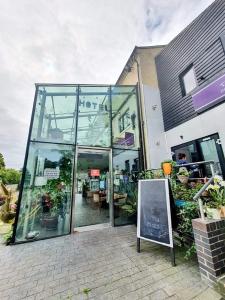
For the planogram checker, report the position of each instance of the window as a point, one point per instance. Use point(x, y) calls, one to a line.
point(124, 121)
point(188, 81)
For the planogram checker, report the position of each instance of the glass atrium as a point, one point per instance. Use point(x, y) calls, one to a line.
point(82, 160)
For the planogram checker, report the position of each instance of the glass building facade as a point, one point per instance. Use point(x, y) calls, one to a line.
point(83, 155)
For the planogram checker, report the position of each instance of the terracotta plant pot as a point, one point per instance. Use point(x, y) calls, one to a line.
point(167, 168)
point(183, 179)
point(222, 212)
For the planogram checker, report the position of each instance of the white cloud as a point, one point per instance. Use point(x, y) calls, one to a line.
point(73, 41)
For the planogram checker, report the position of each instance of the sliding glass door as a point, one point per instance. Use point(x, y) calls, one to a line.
point(203, 149)
point(92, 197)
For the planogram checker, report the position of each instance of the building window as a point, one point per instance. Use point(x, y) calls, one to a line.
point(124, 121)
point(188, 80)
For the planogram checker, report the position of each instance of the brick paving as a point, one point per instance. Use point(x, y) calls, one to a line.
point(102, 265)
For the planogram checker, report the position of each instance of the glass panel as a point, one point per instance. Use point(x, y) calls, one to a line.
point(55, 114)
point(94, 116)
point(189, 80)
point(91, 202)
point(125, 171)
point(46, 198)
point(189, 151)
point(209, 151)
point(125, 129)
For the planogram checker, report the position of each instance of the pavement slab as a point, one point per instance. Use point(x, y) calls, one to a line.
point(101, 264)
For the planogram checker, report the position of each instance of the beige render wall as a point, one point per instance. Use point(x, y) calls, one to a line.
point(131, 78)
point(147, 65)
point(146, 58)
point(148, 77)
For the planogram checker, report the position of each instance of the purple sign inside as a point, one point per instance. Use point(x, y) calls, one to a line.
point(128, 140)
point(210, 95)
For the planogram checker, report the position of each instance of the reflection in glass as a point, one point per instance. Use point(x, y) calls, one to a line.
point(55, 114)
point(209, 152)
point(66, 116)
point(46, 197)
point(189, 80)
point(125, 172)
point(125, 129)
point(94, 116)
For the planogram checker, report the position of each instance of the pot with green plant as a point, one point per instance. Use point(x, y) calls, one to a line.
point(131, 206)
point(183, 175)
point(52, 201)
point(50, 221)
point(215, 207)
point(167, 167)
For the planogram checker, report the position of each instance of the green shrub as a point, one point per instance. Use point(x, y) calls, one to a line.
point(10, 176)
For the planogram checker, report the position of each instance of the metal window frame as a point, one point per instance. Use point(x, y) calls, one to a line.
point(181, 79)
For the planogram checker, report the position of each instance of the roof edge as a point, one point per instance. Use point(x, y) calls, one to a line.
point(133, 53)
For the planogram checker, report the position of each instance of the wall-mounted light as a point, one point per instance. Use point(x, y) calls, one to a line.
point(133, 119)
point(128, 68)
point(154, 107)
point(202, 77)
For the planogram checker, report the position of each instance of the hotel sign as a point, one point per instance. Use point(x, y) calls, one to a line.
point(210, 95)
point(93, 105)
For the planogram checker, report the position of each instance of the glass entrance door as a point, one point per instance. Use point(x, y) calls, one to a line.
point(203, 149)
point(210, 149)
point(92, 189)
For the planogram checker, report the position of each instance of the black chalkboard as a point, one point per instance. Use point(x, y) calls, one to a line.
point(154, 212)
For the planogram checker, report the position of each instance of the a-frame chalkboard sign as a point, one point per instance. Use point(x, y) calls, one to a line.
point(154, 221)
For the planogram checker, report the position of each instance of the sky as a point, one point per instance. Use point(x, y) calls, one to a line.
point(73, 41)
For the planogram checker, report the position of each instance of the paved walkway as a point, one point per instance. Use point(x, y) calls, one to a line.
point(101, 264)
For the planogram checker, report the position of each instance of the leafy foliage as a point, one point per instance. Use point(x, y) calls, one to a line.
point(8, 236)
point(186, 214)
point(131, 206)
point(2, 162)
point(216, 193)
point(183, 192)
point(86, 291)
point(190, 252)
point(10, 176)
point(183, 172)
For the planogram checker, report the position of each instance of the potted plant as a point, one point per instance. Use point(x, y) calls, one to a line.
point(52, 201)
point(50, 221)
point(215, 207)
point(131, 206)
point(183, 175)
point(167, 167)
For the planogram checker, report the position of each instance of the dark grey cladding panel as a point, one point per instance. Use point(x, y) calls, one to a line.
point(199, 44)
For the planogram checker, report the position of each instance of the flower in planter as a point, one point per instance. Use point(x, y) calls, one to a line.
point(215, 207)
point(183, 175)
point(218, 179)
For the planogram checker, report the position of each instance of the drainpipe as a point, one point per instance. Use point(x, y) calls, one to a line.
point(140, 98)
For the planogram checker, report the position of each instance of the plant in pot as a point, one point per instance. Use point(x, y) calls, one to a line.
point(183, 175)
point(167, 167)
point(131, 206)
point(215, 207)
point(51, 204)
point(184, 194)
